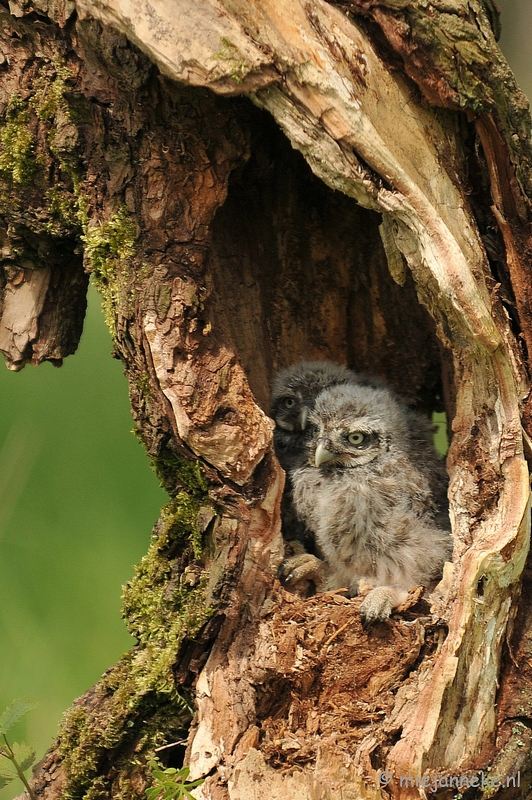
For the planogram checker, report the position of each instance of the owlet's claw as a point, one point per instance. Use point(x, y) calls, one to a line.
point(379, 603)
point(303, 567)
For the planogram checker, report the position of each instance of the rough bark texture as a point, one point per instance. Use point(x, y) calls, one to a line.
point(396, 241)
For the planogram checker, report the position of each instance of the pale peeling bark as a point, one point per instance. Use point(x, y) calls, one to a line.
point(364, 132)
point(23, 304)
point(233, 449)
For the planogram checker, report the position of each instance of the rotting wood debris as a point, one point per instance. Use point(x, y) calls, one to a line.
point(322, 679)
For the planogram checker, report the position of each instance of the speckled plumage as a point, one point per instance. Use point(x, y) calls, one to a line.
point(375, 497)
point(294, 392)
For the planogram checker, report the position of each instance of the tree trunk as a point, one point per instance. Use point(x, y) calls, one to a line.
point(156, 146)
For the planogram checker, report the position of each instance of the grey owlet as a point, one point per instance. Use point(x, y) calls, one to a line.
point(373, 494)
point(294, 392)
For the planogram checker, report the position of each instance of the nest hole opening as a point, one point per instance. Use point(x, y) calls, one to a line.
point(300, 272)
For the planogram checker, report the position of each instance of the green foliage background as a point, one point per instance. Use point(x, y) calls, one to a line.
point(78, 501)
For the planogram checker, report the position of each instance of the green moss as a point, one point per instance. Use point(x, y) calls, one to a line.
point(229, 52)
point(18, 162)
point(49, 93)
point(66, 209)
point(52, 106)
point(113, 240)
point(21, 164)
point(139, 707)
point(132, 735)
point(158, 605)
point(144, 272)
point(175, 473)
point(108, 248)
point(63, 213)
point(142, 383)
point(184, 481)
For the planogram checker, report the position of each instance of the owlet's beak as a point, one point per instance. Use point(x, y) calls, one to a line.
point(303, 417)
point(322, 454)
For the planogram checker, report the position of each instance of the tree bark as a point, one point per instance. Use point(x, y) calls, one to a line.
point(156, 146)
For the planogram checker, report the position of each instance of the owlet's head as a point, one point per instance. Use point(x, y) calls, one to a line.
point(355, 425)
point(295, 390)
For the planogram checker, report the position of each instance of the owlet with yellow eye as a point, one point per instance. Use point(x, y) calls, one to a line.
point(294, 392)
point(373, 493)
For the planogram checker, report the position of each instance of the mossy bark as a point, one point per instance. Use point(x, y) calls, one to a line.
point(395, 241)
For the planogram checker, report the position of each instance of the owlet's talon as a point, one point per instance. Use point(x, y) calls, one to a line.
point(302, 567)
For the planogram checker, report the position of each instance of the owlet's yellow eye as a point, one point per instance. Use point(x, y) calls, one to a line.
point(356, 438)
point(289, 402)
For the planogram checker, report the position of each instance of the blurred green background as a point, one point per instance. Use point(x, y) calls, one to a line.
point(78, 501)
